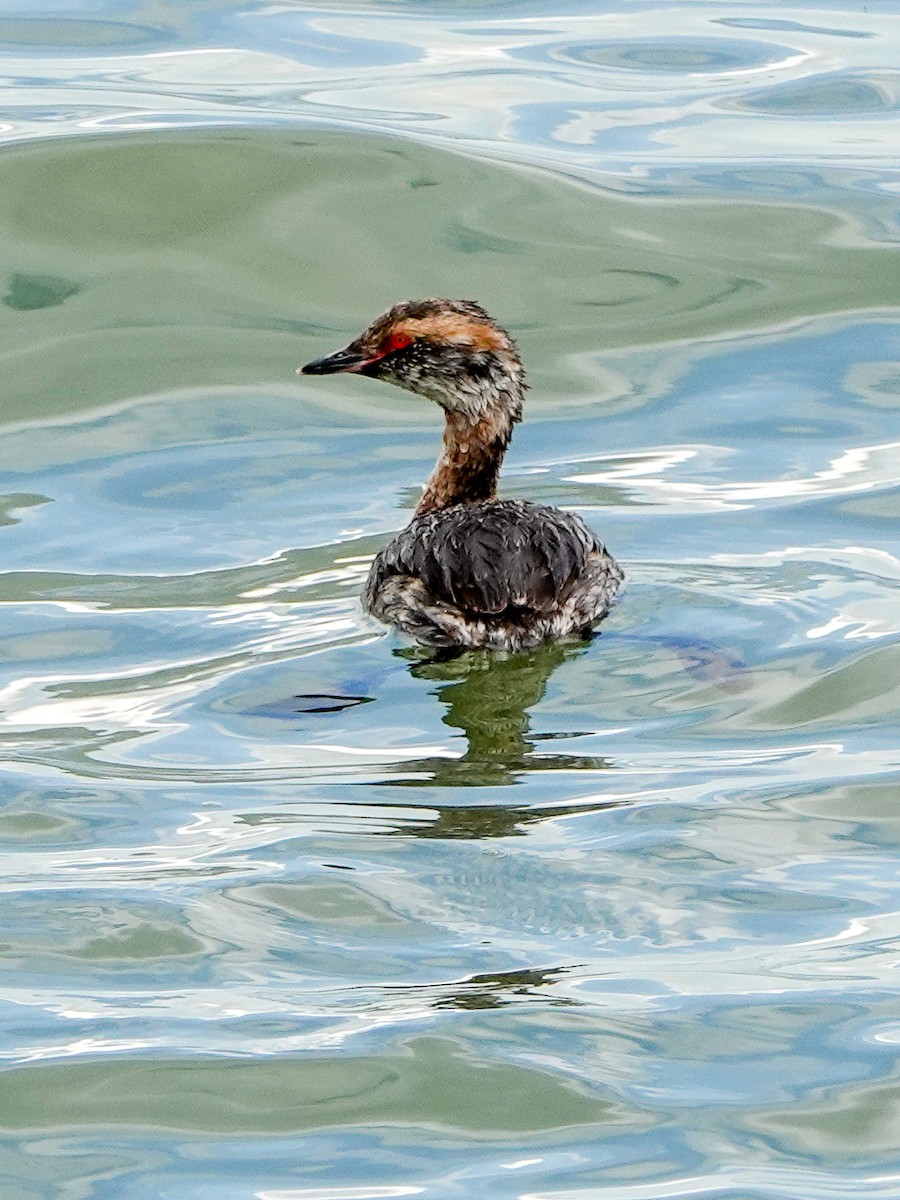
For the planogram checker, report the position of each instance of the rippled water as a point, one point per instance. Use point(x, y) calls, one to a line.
point(292, 913)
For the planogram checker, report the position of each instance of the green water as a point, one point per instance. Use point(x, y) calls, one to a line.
point(149, 263)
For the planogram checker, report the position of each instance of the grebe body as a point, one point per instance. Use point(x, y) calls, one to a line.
point(471, 570)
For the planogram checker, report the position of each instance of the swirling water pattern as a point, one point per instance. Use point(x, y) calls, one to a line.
point(292, 913)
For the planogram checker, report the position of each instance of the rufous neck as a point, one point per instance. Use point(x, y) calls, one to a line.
point(469, 465)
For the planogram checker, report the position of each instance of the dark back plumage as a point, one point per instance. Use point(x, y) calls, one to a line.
point(493, 559)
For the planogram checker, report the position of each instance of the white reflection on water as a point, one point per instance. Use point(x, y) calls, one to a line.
point(139, 704)
point(793, 1183)
point(552, 84)
point(858, 470)
point(340, 1193)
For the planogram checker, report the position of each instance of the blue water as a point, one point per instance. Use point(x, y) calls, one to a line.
point(292, 912)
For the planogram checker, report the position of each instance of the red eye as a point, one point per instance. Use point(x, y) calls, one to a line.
point(395, 341)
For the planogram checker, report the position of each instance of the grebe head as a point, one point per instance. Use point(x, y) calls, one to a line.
point(447, 350)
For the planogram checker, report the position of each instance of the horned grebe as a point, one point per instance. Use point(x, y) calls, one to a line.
point(471, 570)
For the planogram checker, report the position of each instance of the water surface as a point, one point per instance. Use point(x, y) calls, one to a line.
point(294, 913)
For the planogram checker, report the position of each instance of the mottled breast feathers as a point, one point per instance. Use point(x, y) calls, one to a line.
point(491, 558)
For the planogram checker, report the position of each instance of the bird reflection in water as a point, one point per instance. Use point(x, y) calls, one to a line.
point(488, 697)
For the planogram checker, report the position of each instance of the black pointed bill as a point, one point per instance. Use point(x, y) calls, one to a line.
point(347, 359)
